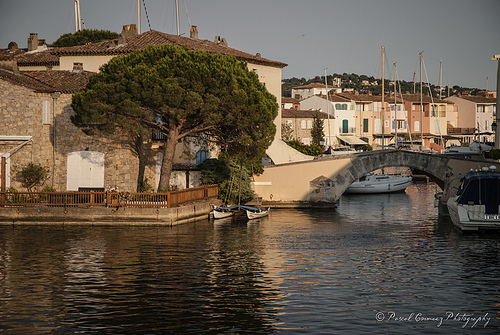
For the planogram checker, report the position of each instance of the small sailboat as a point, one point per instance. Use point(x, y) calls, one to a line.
point(224, 212)
point(255, 212)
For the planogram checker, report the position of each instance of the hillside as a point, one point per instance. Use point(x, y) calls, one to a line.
point(366, 84)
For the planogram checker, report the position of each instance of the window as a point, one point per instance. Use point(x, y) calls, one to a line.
point(416, 126)
point(309, 124)
point(486, 125)
point(344, 107)
point(433, 110)
point(202, 156)
point(337, 106)
point(46, 112)
point(345, 126)
point(365, 125)
point(289, 123)
point(306, 141)
point(303, 124)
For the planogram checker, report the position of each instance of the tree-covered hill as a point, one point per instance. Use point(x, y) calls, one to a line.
point(365, 84)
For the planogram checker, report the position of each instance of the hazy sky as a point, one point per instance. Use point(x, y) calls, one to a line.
point(308, 35)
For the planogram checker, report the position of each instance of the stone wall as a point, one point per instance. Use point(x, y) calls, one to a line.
point(21, 112)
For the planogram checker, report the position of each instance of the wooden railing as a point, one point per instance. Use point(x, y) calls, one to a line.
point(109, 199)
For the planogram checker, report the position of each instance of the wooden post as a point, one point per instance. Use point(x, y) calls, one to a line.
point(4, 176)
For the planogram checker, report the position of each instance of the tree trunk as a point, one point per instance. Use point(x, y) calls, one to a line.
point(168, 159)
point(141, 153)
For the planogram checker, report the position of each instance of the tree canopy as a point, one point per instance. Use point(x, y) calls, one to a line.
point(181, 93)
point(83, 37)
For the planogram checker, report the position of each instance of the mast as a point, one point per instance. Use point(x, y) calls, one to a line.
point(440, 78)
point(395, 111)
point(382, 107)
point(76, 16)
point(327, 112)
point(78, 20)
point(138, 16)
point(177, 16)
point(421, 108)
point(79, 16)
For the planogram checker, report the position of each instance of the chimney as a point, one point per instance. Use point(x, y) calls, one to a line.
point(193, 33)
point(33, 42)
point(220, 41)
point(12, 47)
point(77, 67)
point(128, 30)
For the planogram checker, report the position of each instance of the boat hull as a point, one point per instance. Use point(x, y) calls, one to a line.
point(372, 185)
point(471, 217)
point(251, 215)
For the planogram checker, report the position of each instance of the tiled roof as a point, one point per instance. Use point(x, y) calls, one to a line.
point(42, 58)
point(302, 114)
point(153, 37)
point(336, 98)
point(48, 81)
point(425, 98)
point(289, 100)
point(6, 54)
point(311, 85)
point(479, 99)
point(361, 97)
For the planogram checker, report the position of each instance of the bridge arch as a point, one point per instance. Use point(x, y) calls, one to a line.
point(325, 179)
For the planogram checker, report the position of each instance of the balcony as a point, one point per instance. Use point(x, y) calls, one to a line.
point(461, 131)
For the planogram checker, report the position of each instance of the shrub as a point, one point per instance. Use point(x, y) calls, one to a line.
point(311, 150)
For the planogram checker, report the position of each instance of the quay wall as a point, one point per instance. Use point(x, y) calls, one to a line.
point(106, 215)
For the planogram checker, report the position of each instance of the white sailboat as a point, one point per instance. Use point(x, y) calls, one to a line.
point(379, 183)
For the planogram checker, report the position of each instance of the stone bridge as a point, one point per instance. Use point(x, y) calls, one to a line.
point(323, 180)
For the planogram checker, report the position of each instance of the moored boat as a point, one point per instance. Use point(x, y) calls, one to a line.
point(255, 213)
point(379, 183)
point(476, 205)
point(224, 212)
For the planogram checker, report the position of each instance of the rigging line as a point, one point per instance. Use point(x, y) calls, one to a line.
point(189, 22)
point(403, 103)
point(147, 17)
point(432, 102)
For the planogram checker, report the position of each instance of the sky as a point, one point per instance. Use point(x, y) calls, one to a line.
point(341, 36)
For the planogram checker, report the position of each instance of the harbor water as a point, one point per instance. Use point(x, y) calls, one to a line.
point(383, 264)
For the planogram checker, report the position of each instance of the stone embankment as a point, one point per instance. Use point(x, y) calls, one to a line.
point(106, 215)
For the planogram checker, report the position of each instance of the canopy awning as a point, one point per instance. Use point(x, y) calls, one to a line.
point(351, 140)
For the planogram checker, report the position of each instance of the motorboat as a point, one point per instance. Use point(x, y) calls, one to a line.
point(224, 212)
point(379, 183)
point(255, 212)
point(476, 204)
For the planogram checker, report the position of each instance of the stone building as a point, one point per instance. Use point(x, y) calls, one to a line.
point(35, 106)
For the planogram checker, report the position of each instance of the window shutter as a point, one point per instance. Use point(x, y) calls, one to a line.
point(46, 112)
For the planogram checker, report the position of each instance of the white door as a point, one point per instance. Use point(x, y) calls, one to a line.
point(85, 169)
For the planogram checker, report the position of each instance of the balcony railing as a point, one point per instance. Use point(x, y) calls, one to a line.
point(462, 131)
point(109, 199)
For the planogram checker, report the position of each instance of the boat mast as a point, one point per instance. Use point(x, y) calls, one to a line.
point(440, 78)
point(327, 111)
point(138, 16)
point(395, 112)
point(78, 20)
point(421, 108)
point(177, 16)
point(382, 107)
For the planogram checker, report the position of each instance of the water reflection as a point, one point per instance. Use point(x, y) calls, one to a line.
point(293, 272)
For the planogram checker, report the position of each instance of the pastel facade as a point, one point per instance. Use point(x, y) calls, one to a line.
point(474, 118)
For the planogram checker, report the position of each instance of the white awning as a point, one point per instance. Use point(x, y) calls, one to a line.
point(352, 140)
